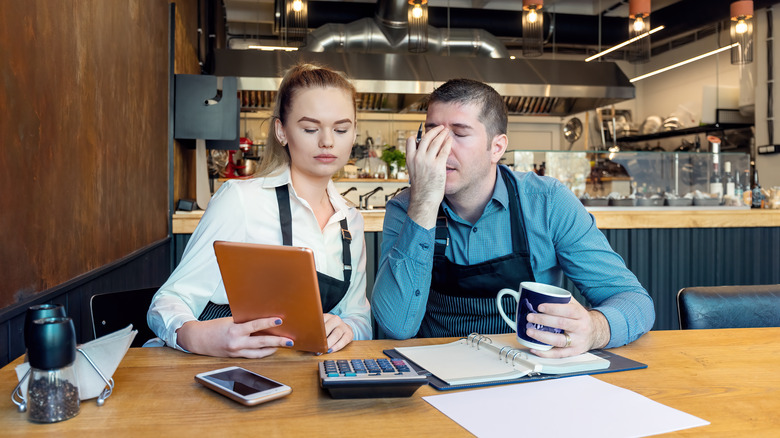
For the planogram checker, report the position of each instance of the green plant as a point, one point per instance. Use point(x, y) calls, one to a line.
point(392, 155)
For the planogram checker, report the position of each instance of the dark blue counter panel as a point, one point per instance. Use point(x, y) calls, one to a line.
point(664, 260)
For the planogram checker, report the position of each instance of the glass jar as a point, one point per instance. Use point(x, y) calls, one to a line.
point(52, 389)
point(52, 395)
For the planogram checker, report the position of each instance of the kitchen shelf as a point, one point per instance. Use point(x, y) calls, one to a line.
point(686, 131)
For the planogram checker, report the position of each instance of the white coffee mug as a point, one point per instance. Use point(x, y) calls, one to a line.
point(530, 296)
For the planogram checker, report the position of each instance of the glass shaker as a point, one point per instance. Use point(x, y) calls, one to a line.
point(34, 312)
point(52, 391)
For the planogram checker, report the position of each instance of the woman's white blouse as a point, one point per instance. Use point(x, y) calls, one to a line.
point(247, 211)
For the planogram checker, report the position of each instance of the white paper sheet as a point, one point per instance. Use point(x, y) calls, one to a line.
point(580, 406)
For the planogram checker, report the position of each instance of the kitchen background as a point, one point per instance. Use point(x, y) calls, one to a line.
point(685, 98)
point(90, 171)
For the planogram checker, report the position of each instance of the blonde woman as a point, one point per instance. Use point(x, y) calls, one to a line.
point(292, 201)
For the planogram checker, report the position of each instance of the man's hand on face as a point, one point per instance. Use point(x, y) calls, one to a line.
point(427, 166)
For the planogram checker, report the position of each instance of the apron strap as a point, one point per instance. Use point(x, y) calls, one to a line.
point(285, 215)
point(442, 237)
point(346, 254)
point(519, 241)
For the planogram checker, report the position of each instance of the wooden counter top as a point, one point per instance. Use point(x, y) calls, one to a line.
point(184, 222)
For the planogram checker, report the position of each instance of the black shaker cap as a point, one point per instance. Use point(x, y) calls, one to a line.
point(39, 311)
point(52, 343)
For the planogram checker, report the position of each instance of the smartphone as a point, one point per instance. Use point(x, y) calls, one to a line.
point(242, 385)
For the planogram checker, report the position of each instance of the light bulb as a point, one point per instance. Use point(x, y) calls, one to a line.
point(741, 27)
point(532, 16)
point(639, 24)
point(297, 5)
point(417, 11)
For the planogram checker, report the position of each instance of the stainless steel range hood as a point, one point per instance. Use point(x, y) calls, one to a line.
point(399, 82)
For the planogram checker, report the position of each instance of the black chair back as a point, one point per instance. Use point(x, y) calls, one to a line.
point(729, 306)
point(112, 311)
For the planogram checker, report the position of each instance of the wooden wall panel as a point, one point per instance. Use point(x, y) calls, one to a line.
point(84, 132)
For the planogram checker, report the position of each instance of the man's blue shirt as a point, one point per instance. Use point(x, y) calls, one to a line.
point(562, 239)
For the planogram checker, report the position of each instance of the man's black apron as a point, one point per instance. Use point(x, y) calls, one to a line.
point(332, 290)
point(462, 298)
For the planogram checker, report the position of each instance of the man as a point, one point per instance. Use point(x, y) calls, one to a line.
point(468, 228)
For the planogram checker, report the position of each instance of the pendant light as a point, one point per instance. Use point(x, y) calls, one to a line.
point(742, 32)
point(418, 26)
point(533, 28)
point(296, 22)
point(638, 24)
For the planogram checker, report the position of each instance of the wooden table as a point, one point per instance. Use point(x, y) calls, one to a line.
point(728, 377)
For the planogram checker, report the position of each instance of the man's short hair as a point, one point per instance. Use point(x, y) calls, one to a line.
point(492, 112)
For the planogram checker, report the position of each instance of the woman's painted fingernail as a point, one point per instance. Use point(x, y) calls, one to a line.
point(278, 322)
point(330, 350)
point(289, 343)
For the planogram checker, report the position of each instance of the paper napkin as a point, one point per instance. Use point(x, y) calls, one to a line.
point(106, 352)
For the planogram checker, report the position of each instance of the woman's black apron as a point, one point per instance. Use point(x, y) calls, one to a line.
point(332, 290)
point(462, 298)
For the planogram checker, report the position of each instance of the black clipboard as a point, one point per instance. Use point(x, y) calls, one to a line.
point(616, 363)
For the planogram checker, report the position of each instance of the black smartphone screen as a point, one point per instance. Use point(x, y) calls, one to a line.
point(242, 382)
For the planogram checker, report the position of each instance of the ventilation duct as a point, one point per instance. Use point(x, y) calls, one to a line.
point(373, 53)
point(387, 32)
point(399, 82)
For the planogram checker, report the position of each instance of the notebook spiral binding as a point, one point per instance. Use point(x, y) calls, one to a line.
point(474, 339)
point(517, 356)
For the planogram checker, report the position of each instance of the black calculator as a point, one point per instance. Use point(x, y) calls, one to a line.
point(369, 378)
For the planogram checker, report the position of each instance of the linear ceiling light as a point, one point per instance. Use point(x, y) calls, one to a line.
point(742, 32)
point(533, 28)
point(623, 44)
point(272, 48)
point(687, 61)
point(638, 24)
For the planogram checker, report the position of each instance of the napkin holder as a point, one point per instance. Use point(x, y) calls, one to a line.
point(96, 362)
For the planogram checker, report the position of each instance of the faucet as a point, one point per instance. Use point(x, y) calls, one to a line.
point(392, 195)
point(363, 199)
point(344, 193)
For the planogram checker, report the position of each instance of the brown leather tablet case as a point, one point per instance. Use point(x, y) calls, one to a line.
point(262, 281)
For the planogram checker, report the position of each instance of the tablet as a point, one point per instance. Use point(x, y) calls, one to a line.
point(262, 281)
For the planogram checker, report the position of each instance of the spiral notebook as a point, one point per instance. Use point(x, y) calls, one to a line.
point(480, 360)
